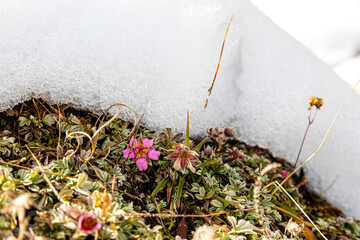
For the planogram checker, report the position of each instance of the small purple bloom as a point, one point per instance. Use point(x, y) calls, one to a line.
point(88, 224)
point(141, 152)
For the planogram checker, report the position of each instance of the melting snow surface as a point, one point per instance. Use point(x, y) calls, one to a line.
point(159, 57)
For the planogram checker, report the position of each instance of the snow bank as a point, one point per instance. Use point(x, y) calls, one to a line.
point(159, 57)
point(329, 28)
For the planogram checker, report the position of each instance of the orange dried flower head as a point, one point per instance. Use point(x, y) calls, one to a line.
point(315, 101)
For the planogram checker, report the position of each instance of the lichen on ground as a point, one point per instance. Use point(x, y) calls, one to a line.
point(70, 174)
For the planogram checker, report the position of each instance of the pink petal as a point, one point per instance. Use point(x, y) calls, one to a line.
point(132, 141)
point(126, 153)
point(193, 158)
point(284, 174)
point(177, 164)
point(183, 165)
point(80, 220)
point(97, 226)
point(141, 164)
point(174, 155)
point(190, 166)
point(148, 143)
point(178, 148)
point(153, 154)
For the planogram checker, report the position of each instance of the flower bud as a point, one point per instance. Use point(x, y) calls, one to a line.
point(236, 153)
point(208, 151)
point(229, 131)
point(213, 132)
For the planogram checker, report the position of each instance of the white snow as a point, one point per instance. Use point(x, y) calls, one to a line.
point(349, 70)
point(159, 57)
point(329, 28)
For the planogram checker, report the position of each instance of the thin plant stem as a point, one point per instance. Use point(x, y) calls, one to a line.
point(327, 189)
point(181, 215)
point(292, 215)
point(310, 121)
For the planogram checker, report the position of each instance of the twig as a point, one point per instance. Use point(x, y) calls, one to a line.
point(181, 215)
point(217, 69)
point(292, 215)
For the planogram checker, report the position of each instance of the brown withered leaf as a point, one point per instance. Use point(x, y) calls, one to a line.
point(309, 235)
point(182, 229)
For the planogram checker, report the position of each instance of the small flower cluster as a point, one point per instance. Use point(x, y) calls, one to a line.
point(315, 101)
point(143, 150)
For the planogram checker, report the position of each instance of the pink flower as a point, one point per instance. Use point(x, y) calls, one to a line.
point(88, 224)
point(284, 174)
point(183, 156)
point(141, 152)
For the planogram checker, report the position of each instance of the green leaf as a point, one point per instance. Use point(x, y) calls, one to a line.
point(49, 120)
point(102, 175)
point(82, 179)
point(160, 186)
point(202, 191)
point(198, 196)
point(179, 190)
point(198, 147)
point(34, 188)
point(24, 121)
point(209, 195)
point(201, 176)
point(232, 221)
point(195, 187)
point(216, 203)
point(187, 137)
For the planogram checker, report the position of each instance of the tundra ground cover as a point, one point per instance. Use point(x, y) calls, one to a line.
point(70, 174)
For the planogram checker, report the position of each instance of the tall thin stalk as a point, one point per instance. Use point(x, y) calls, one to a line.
point(310, 121)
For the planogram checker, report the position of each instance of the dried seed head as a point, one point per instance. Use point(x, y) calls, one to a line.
point(208, 151)
point(319, 103)
point(229, 131)
point(315, 101)
point(213, 132)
